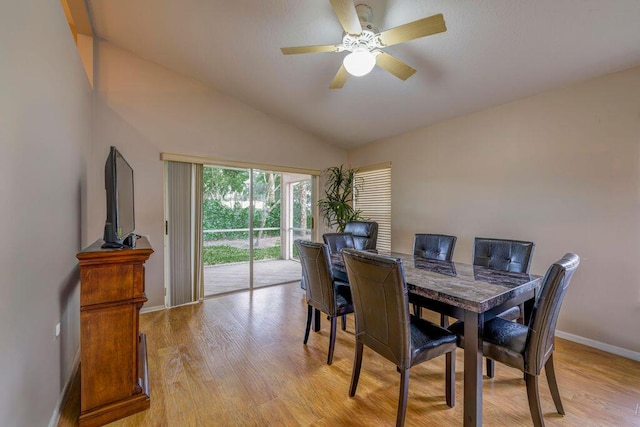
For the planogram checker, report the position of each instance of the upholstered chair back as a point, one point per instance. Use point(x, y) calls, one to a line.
point(338, 241)
point(542, 326)
point(500, 254)
point(316, 272)
point(365, 234)
point(434, 246)
point(380, 304)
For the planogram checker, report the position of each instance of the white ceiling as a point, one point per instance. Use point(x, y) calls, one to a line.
point(493, 51)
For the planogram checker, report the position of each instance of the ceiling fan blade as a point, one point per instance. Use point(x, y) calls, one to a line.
point(340, 78)
point(309, 49)
point(347, 15)
point(394, 66)
point(414, 30)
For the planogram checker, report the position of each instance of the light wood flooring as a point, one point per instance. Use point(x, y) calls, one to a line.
point(238, 360)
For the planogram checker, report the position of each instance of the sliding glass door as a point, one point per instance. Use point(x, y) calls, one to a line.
point(226, 216)
point(250, 219)
point(301, 218)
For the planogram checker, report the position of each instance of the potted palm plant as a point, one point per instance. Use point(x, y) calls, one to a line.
point(337, 205)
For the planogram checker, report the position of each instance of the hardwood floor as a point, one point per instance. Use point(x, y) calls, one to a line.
point(238, 360)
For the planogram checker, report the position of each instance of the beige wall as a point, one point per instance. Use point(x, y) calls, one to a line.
point(45, 131)
point(145, 109)
point(561, 169)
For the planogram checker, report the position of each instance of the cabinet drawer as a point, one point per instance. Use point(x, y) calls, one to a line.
point(108, 283)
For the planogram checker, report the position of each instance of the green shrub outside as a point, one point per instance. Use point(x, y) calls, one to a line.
point(213, 255)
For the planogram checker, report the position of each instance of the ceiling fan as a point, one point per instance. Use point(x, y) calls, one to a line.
point(364, 41)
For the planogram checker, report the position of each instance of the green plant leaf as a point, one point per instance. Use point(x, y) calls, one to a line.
point(337, 205)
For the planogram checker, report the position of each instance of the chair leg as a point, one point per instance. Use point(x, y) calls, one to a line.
point(316, 320)
point(404, 394)
point(306, 331)
point(491, 368)
point(450, 379)
point(534, 400)
point(355, 373)
point(417, 311)
point(521, 318)
point(344, 322)
point(332, 340)
point(553, 385)
point(444, 321)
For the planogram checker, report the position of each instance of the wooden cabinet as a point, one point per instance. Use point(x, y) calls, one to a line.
point(113, 357)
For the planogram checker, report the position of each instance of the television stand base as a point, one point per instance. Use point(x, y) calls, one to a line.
point(129, 242)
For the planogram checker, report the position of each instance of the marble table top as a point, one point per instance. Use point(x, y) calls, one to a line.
point(469, 287)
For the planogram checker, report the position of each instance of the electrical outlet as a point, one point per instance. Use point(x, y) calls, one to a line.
point(58, 329)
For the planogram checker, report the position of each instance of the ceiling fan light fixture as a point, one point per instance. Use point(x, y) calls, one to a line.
point(360, 62)
point(366, 43)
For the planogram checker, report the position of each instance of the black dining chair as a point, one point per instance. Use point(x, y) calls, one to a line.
point(338, 241)
point(365, 234)
point(433, 246)
point(530, 347)
point(505, 255)
point(384, 324)
point(502, 254)
point(324, 293)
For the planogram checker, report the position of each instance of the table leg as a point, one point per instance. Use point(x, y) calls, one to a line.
point(473, 325)
point(316, 320)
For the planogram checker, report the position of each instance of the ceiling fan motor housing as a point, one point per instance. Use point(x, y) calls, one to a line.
point(367, 39)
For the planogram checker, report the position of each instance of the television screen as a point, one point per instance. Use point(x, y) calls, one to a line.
point(120, 222)
point(124, 180)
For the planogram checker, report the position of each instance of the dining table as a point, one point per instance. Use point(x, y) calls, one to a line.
point(470, 293)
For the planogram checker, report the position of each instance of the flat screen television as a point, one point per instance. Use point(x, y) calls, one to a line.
point(118, 183)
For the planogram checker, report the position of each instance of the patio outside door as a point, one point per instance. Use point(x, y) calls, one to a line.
point(250, 220)
point(301, 218)
point(226, 206)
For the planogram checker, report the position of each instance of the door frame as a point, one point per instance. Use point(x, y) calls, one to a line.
point(205, 161)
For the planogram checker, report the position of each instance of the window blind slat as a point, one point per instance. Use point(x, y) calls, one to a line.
point(373, 198)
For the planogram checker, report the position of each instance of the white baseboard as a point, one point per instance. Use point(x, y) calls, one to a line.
point(629, 354)
point(150, 309)
point(55, 418)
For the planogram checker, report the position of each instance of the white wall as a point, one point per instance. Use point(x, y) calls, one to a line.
point(560, 168)
point(145, 109)
point(45, 131)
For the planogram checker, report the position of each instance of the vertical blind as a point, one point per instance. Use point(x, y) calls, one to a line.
point(198, 265)
point(373, 198)
point(179, 186)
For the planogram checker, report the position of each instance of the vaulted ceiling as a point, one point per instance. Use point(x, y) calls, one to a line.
point(493, 52)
